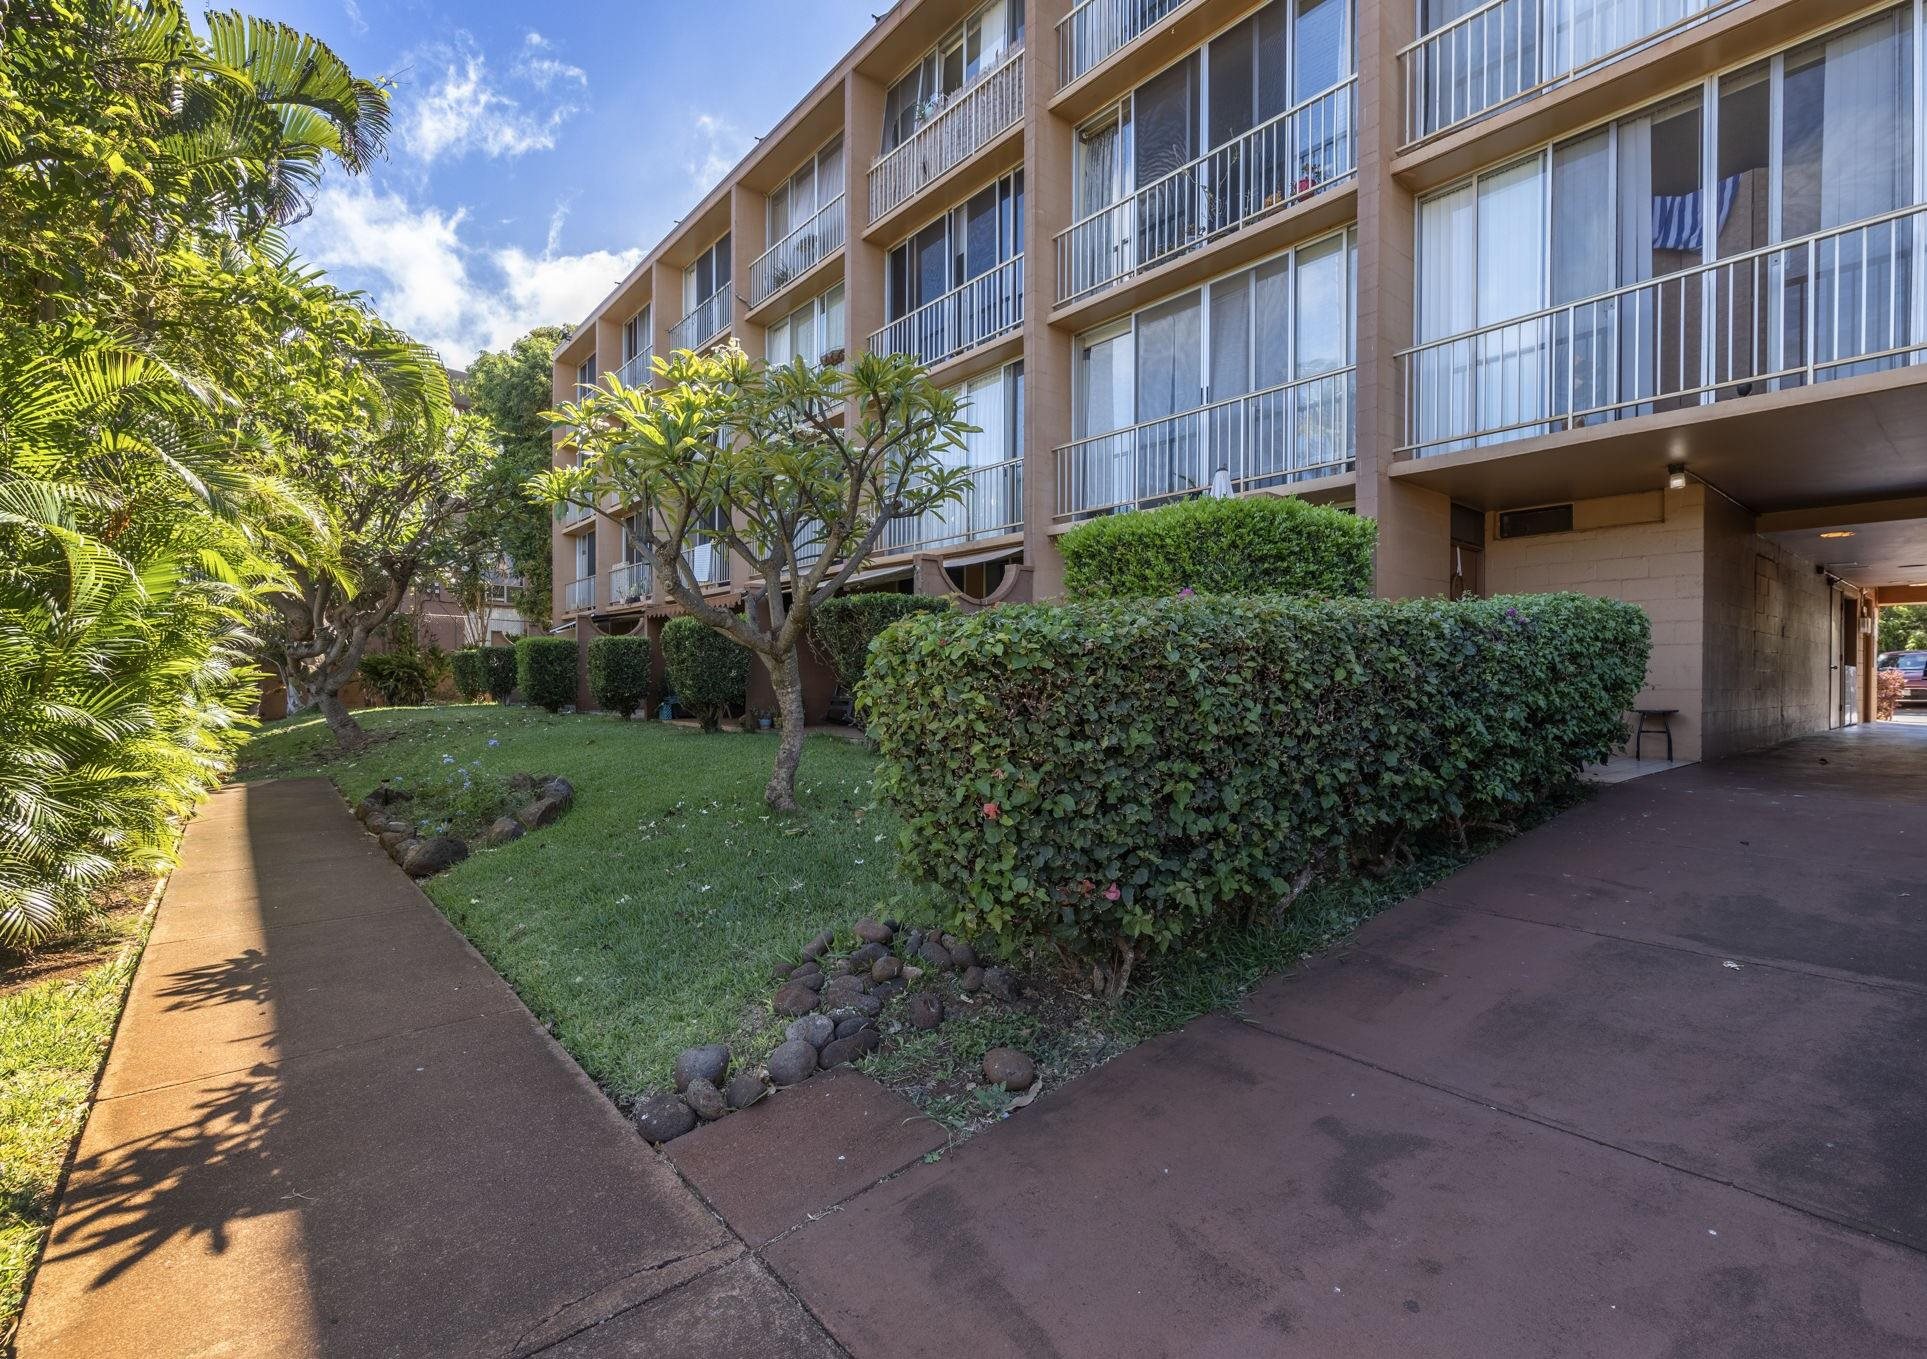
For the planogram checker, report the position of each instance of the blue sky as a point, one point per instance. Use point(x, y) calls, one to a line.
point(540, 149)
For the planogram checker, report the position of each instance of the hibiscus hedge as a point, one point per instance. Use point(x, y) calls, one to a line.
point(1115, 777)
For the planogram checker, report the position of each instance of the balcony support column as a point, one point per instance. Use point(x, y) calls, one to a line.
point(1414, 525)
point(1048, 168)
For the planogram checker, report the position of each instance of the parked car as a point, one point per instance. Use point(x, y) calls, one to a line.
point(1912, 666)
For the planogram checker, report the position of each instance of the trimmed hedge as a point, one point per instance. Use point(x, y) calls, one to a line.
point(1114, 777)
point(470, 673)
point(842, 628)
point(499, 667)
point(708, 671)
point(1257, 545)
point(545, 671)
point(619, 674)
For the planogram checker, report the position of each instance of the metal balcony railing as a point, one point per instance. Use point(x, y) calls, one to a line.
point(984, 308)
point(1833, 304)
point(579, 595)
point(992, 507)
point(637, 372)
point(576, 514)
point(1289, 433)
point(631, 583)
point(797, 253)
point(1097, 28)
point(704, 323)
point(708, 562)
point(968, 121)
point(1303, 151)
point(1506, 50)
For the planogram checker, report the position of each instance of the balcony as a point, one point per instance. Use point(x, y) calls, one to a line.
point(1291, 433)
point(637, 372)
point(991, 508)
point(574, 516)
point(578, 596)
point(1097, 29)
point(704, 323)
point(990, 305)
point(708, 562)
point(1278, 164)
point(1835, 304)
point(1508, 50)
point(630, 583)
point(797, 253)
point(967, 122)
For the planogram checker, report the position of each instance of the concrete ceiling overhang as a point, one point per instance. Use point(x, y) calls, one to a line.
point(1835, 443)
point(1885, 542)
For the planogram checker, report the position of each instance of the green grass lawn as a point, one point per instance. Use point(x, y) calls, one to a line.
point(647, 918)
point(53, 1035)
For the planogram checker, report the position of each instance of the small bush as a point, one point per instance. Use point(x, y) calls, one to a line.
point(402, 678)
point(619, 674)
point(545, 671)
point(708, 671)
point(1890, 687)
point(499, 667)
point(1258, 545)
point(842, 628)
point(470, 672)
point(1115, 777)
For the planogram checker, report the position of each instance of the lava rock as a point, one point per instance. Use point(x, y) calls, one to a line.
point(865, 956)
point(925, 1010)
point(850, 1025)
point(885, 992)
point(884, 968)
point(874, 931)
point(910, 972)
point(813, 980)
point(559, 789)
point(816, 1030)
point(522, 783)
point(858, 1003)
point(847, 985)
point(539, 813)
point(705, 1099)
point(793, 999)
point(780, 971)
point(1001, 984)
point(433, 855)
point(792, 1063)
point(912, 942)
point(809, 967)
point(505, 829)
point(1009, 1068)
point(961, 954)
point(839, 967)
point(819, 946)
point(858, 1044)
point(391, 839)
point(744, 1089)
point(709, 1062)
point(387, 795)
point(662, 1117)
point(973, 979)
point(933, 952)
point(401, 851)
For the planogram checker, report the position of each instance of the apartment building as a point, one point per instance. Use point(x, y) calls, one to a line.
point(1623, 296)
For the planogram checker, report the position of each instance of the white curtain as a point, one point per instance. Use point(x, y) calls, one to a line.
point(1865, 167)
point(1448, 273)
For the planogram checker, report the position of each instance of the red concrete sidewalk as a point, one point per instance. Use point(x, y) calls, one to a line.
point(328, 1128)
point(1644, 1082)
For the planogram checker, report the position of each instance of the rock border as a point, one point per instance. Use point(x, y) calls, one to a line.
point(545, 797)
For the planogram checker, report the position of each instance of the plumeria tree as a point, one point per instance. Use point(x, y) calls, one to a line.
point(795, 469)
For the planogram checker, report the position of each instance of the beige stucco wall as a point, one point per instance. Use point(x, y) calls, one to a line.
point(1767, 617)
point(1646, 549)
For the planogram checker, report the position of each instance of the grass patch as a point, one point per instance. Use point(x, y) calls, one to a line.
point(648, 917)
point(54, 1031)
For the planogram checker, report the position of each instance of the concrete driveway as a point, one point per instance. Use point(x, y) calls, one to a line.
point(1644, 1082)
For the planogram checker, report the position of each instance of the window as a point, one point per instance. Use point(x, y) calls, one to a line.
point(965, 243)
point(994, 502)
point(967, 53)
point(811, 332)
point(805, 193)
point(708, 276)
point(635, 335)
point(585, 374)
point(585, 555)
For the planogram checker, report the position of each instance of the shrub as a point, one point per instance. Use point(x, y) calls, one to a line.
point(708, 671)
point(1113, 777)
point(402, 678)
point(499, 666)
point(619, 674)
point(1258, 545)
point(1890, 687)
point(842, 628)
point(545, 671)
point(470, 672)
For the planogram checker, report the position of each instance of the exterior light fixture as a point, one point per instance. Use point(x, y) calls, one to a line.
point(1676, 477)
point(1838, 533)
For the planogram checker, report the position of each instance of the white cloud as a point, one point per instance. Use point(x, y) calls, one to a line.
point(355, 22)
point(425, 278)
point(713, 146)
point(462, 110)
point(542, 70)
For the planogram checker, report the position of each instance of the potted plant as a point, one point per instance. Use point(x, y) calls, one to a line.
point(666, 710)
point(765, 720)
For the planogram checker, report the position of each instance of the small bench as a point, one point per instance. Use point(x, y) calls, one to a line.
point(1665, 728)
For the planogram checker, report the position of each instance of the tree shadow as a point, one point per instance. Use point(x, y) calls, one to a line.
point(242, 979)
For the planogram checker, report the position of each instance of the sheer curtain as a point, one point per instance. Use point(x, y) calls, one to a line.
point(1447, 305)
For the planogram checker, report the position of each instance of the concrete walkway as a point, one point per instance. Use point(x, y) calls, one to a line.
point(1645, 1082)
point(328, 1128)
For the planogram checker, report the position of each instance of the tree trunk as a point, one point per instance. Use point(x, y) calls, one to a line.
point(786, 678)
point(341, 722)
